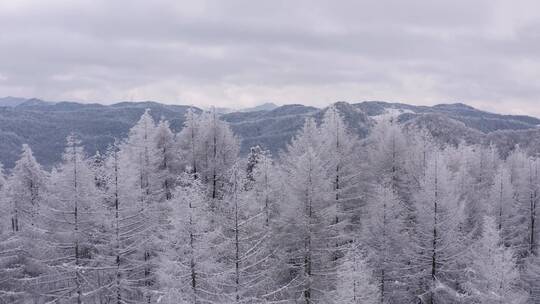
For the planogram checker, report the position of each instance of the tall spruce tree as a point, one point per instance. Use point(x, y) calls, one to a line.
point(24, 193)
point(494, 275)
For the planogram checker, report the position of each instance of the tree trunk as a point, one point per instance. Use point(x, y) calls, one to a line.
point(237, 244)
point(78, 278)
point(435, 235)
point(117, 229)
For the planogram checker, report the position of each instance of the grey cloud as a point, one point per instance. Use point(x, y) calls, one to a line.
point(231, 53)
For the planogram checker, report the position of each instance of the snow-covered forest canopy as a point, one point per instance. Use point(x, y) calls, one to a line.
point(160, 217)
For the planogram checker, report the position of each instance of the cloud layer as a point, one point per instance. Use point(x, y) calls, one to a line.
point(242, 53)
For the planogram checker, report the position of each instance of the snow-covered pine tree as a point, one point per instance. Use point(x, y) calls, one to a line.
point(98, 166)
point(165, 172)
point(3, 203)
point(384, 237)
point(525, 233)
point(524, 174)
point(209, 149)
point(339, 152)
point(140, 191)
point(220, 149)
point(189, 143)
point(436, 242)
point(530, 276)
point(397, 159)
point(73, 217)
point(105, 183)
point(246, 251)
point(478, 166)
point(309, 216)
point(355, 282)
point(264, 184)
point(23, 195)
point(128, 227)
point(117, 234)
point(261, 181)
point(255, 157)
point(503, 204)
point(25, 189)
point(167, 162)
point(494, 275)
point(188, 266)
point(388, 156)
point(532, 207)
point(421, 145)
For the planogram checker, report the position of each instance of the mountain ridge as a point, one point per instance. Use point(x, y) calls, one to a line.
point(44, 125)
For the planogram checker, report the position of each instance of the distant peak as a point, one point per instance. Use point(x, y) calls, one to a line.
point(267, 106)
point(10, 101)
point(341, 103)
point(34, 102)
point(457, 105)
point(292, 109)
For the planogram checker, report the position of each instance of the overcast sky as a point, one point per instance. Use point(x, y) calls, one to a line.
point(242, 53)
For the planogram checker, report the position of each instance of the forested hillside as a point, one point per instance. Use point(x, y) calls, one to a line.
point(391, 214)
point(44, 125)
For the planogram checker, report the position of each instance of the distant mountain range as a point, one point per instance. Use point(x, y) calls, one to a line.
point(44, 125)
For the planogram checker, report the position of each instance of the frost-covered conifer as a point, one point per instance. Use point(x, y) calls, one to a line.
point(23, 194)
point(188, 266)
point(73, 224)
point(494, 275)
point(355, 282)
point(436, 240)
point(385, 240)
point(309, 215)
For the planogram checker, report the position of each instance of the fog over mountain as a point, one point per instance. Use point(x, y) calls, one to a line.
point(45, 125)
